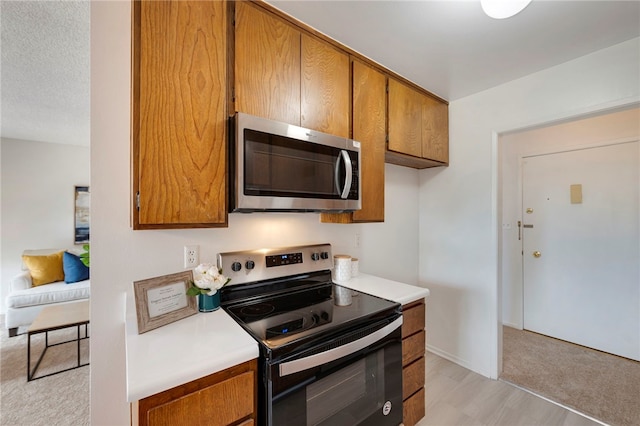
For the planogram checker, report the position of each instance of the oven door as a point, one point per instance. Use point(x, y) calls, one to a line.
point(353, 381)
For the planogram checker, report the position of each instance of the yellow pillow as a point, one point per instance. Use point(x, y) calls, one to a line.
point(44, 269)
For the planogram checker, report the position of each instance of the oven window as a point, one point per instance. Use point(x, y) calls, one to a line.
point(348, 395)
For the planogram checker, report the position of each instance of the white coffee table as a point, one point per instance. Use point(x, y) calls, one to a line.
point(57, 317)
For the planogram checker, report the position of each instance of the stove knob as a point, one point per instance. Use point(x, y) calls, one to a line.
point(315, 256)
point(324, 255)
point(250, 264)
point(236, 266)
point(324, 315)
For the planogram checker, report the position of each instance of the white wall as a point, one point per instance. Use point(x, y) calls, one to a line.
point(38, 181)
point(590, 131)
point(459, 205)
point(120, 256)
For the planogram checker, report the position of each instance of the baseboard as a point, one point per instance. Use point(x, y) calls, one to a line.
point(512, 325)
point(450, 357)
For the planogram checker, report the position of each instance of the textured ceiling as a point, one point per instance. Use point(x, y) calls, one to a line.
point(45, 71)
point(449, 47)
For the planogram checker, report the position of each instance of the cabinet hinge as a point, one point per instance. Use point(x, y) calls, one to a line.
point(138, 200)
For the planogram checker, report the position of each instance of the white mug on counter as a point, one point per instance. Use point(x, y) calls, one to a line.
point(341, 267)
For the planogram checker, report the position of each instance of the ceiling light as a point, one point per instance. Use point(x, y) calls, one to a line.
point(500, 9)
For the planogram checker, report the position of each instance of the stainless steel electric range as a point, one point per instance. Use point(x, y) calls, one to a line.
point(321, 363)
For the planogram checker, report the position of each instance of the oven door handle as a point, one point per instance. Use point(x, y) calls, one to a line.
point(301, 364)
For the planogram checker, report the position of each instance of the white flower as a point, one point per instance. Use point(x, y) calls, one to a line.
point(208, 277)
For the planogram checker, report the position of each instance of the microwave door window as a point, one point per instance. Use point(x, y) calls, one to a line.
point(284, 167)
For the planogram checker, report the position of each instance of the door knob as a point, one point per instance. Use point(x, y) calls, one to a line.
point(537, 254)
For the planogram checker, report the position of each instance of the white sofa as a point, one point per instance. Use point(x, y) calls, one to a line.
point(24, 302)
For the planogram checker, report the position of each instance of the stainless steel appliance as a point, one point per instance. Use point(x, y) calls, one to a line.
point(281, 167)
point(320, 363)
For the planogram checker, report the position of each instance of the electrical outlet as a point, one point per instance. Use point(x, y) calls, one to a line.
point(357, 240)
point(191, 256)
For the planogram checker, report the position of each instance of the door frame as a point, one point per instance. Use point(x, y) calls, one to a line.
point(497, 151)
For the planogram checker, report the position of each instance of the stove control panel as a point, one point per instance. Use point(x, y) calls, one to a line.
point(256, 265)
point(284, 259)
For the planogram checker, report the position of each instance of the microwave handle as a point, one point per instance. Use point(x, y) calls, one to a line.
point(301, 364)
point(344, 192)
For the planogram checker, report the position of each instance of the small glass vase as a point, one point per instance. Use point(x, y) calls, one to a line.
point(208, 303)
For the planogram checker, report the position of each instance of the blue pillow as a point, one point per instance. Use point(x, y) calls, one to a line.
point(74, 269)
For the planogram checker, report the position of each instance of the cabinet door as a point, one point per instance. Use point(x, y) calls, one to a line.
point(369, 128)
point(267, 65)
point(369, 121)
point(179, 117)
point(217, 405)
point(435, 130)
point(325, 88)
point(223, 398)
point(405, 119)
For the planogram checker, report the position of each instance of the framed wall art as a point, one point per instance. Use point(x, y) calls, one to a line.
point(82, 217)
point(163, 300)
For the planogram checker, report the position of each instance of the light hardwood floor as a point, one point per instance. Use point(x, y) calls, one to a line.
point(457, 396)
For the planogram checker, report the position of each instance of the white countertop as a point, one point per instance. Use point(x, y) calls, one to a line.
point(206, 343)
point(387, 289)
point(183, 351)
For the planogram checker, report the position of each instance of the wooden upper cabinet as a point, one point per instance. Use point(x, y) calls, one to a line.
point(435, 130)
point(179, 114)
point(324, 88)
point(267, 65)
point(405, 119)
point(369, 128)
point(369, 121)
point(418, 128)
point(286, 75)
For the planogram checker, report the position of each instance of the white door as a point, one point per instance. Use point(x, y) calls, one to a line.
point(582, 252)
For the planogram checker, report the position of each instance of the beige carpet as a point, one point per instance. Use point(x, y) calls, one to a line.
point(603, 386)
point(61, 399)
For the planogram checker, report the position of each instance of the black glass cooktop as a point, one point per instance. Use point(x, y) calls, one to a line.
point(300, 313)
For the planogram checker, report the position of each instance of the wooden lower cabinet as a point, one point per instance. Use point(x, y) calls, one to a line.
point(413, 362)
point(413, 408)
point(225, 398)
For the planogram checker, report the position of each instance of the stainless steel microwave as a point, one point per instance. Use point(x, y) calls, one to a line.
point(284, 168)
